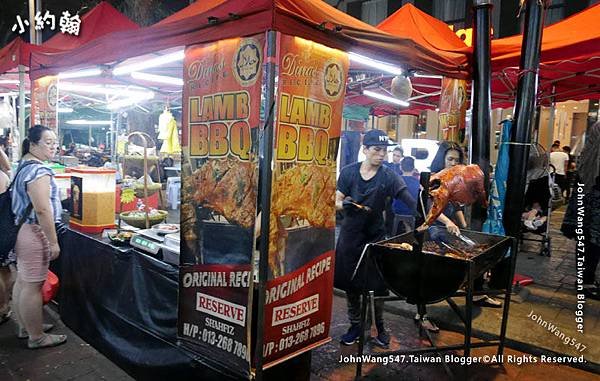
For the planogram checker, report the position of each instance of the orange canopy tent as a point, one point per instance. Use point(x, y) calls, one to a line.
point(569, 61)
point(428, 33)
point(220, 19)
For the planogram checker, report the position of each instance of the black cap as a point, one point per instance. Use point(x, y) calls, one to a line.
point(377, 138)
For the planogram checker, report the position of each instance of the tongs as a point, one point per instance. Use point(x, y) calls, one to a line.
point(359, 206)
point(467, 240)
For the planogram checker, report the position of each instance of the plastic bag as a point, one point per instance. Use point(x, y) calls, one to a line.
point(50, 287)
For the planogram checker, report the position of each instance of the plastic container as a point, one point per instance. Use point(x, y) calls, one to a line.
point(92, 199)
point(170, 249)
point(63, 181)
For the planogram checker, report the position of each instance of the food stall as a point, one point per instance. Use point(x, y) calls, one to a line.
point(257, 215)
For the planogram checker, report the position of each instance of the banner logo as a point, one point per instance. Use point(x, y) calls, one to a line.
point(247, 62)
point(333, 80)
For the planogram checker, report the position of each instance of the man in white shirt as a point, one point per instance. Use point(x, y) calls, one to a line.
point(560, 161)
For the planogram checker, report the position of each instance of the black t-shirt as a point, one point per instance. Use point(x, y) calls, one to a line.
point(372, 193)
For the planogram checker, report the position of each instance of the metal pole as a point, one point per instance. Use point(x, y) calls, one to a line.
point(479, 146)
point(38, 33)
point(524, 109)
point(32, 33)
point(266, 174)
point(550, 133)
point(22, 134)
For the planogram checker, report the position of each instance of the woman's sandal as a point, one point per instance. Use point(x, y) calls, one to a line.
point(22, 332)
point(5, 317)
point(47, 341)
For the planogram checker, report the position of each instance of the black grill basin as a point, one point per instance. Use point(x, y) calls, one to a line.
point(429, 278)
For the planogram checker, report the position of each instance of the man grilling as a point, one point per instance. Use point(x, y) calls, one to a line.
point(362, 191)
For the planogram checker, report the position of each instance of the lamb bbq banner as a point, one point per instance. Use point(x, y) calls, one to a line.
point(310, 95)
point(44, 99)
point(221, 110)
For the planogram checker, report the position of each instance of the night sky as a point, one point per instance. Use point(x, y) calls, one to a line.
point(9, 9)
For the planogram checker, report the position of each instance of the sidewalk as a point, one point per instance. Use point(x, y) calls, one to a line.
point(326, 364)
point(74, 360)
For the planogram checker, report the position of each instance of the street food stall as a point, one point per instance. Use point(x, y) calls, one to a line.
point(254, 280)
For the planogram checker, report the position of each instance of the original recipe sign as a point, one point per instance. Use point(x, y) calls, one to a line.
point(310, 96)
point(221, 98)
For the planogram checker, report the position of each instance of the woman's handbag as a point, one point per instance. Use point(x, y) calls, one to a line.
point(50, 287)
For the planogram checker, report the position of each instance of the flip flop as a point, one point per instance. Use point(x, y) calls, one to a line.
point(47, 341)
point(5, 317)
point(22, 332)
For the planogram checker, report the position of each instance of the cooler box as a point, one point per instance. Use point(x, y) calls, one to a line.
point(93, 199)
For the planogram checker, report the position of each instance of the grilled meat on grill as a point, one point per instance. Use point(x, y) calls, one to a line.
point(462, 184)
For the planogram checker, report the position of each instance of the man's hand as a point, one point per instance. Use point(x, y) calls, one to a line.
point(350, 205)
point(452, 228)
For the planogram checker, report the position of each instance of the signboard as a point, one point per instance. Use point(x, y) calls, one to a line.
point(453, 109)
point(310, 95)
point(44, 100)
point(221, 113)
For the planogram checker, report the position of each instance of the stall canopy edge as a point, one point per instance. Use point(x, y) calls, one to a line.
point(310, 19)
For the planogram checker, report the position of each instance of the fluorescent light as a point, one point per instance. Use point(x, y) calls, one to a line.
point(105, 90)
point(80, 122)
point(158, 61)
point(388, 68)
point(417, 75)
point(157, 78)
point(65, 110)
point(385, 98)
point(80, 73)
point(129, 101)
point(9, 81)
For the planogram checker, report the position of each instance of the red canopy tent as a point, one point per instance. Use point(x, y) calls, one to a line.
point(99, 21)
point(426, 32)
point(310, 19)
point(569, 61)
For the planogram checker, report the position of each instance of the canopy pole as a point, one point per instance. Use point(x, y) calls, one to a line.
point(479, 144)
point(524, 115)
point(22, 135)
point(550, 133)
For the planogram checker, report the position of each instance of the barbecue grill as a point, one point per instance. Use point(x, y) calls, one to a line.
point(421, 277)
point(430, 278)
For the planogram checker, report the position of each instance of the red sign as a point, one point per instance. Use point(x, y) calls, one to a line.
point(44, 100)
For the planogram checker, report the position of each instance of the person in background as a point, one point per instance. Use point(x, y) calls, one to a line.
point(397, 156)
point(588, 172)
point(560, 161)
point(569, 176)
point(368, 183)
point(36, 202)
point(412, 183)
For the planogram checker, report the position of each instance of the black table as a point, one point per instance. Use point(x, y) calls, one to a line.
point(124, 304)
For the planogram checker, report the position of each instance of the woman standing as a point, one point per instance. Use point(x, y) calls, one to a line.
point(588, 170)
point(36, 202)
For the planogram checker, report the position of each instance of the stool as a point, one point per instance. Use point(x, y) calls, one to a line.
point(173, 190)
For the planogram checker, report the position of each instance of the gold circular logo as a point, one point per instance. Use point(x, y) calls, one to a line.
point(247, 62)
point(333, 79)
